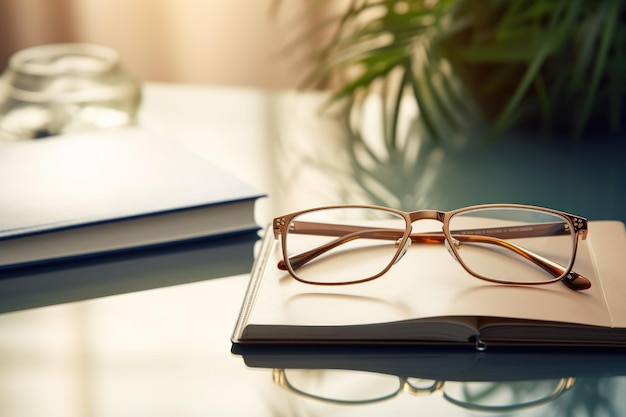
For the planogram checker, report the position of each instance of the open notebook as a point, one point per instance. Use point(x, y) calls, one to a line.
point(427, 298)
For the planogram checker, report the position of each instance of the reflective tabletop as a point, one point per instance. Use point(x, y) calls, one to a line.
point(149, 333)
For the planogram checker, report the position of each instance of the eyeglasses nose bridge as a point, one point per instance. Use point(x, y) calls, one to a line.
point(426, 215)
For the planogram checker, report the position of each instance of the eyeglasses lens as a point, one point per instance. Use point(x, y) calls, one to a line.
point(513, 245)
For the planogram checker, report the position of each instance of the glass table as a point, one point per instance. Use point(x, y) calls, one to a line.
point(149, 334)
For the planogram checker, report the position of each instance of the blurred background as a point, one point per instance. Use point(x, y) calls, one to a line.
point(234, 42)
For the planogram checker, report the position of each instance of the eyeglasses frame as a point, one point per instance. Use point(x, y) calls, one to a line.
point(571, 279)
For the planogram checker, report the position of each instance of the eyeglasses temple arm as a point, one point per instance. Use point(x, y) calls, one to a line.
point(572, 280)
point(515, 232)
point(535, 230)
point(297, 261)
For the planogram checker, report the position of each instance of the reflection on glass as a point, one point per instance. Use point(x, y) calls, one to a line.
point(358, 387)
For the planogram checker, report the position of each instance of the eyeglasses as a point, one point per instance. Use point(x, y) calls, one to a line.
point(349, 387)
point(501, 243)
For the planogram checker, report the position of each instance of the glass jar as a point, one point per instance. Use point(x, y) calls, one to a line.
point(60, 88)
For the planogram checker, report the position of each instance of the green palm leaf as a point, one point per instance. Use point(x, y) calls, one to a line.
point(556, 60)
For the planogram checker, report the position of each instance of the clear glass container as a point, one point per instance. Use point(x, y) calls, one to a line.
point(60, 88)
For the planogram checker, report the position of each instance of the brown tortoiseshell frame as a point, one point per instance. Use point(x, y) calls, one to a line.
point(560, 273)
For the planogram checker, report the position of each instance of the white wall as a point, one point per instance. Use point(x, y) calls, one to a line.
point(226, 42)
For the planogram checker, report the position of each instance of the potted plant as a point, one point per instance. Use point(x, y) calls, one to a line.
point(532, 79)
point(546, 65)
